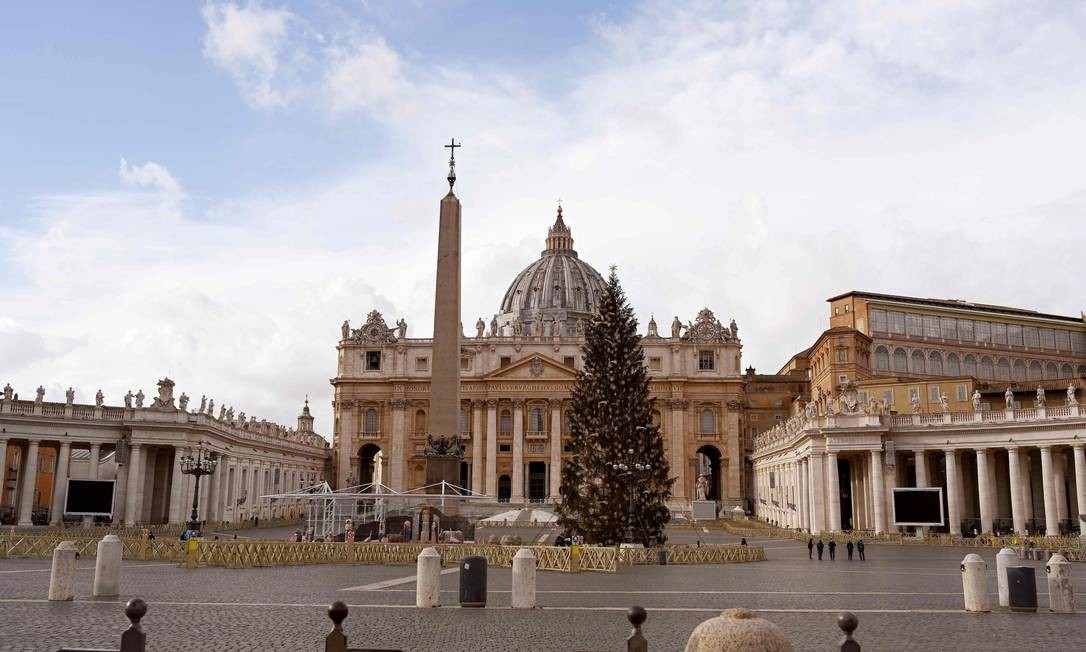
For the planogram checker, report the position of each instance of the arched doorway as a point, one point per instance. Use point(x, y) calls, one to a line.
point(369, 464)
point(505, 489)
point(707, 463)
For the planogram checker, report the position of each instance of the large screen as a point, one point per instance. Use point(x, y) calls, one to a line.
point(918, 506)
point(89, 498)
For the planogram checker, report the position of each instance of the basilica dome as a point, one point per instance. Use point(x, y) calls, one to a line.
point(553, 292)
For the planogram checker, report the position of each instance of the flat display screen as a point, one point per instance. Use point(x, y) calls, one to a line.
point(89, 497)
point(918, 506)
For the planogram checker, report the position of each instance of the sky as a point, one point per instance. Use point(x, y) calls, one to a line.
point(207, 190)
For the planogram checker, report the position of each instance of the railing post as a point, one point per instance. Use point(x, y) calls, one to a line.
point(134, 639)
point(848, 623)
point(336, 641)
point(636, 641)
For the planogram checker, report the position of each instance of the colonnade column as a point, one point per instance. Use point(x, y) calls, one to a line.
point(29, 483)
point(804, 496)
point(833, 492)
point(984, 491)
point(492, 447)
point(1052, 522)
point(517, 489)
point(477, 462)
point(922, 477)
point(1014, 470)
point(396, 454)
point(3, 463)
point(224, 488)
point(953, 492)
point(1080, 487)
point(134, 491)
point(878, 486)
point(211, 513)
point(60, 483)
point(95, 454)
point(556, 448)
point(818, 488)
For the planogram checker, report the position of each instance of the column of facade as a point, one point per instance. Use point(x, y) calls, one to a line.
point(953, 492)
point(1080, 486)
point(29, 483)
point(922, 477)
point(397, 454)
point(1027, 489)
point(478, 465)
point(95, 454)
point(1059, 467)
point(238, 488)
point(1014, 470)
point(3, 464)
point(346, 442)
point(833, 492)
point(556, 448)
point(492, 447)
point(1052, 524)
point(860, 488)
point(804, 497)
point(517, 489)
point(60, 483)
point(134, 491)
point(818, 489)
point(678, 447)
point(984, 494)
point(878, 487)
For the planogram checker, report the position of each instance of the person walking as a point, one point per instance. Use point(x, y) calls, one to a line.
point(848, 547)
point(833, 550)
point(743, 542)
point(820, 547)
point(860, 549)
point(810, 548)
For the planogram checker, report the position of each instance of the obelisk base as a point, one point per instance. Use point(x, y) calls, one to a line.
point(441, 468)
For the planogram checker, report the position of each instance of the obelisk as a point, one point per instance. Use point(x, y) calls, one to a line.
point(445, 368)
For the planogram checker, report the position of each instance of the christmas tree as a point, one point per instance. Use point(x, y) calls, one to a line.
point(617, 484)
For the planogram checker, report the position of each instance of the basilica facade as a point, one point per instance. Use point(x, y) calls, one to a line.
point(517, 371)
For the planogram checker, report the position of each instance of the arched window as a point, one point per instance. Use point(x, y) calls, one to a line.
point(969, 366)
point(420, 421)
point(1003, 369)
point(901, 361)
point(1082, 370)
point(1066, 371)
point(464, 422)
point(708, 422)
point(1035, 370)
point(987, 369)
point(952, 366)
point(1051, 371)
point(1019, 370)
point(506, 422)
point(882, 359)
point(372, 423)
point(918, 363)
point(537, 420)
point(936, 361)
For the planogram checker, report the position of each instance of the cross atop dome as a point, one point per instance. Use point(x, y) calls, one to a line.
point(559, 236)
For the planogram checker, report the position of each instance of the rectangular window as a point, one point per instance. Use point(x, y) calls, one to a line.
point(422, 364)
point(1029, 334)
point(505, 361)
point(1078, 342)
point(963, 393)
point(949, 328)
point(965, 330)
point(570, 361)
point(778, 402)
point(914, 324)
point(656, 363)
point(984, 332)
point(897, 322)
point(753, 433)
point(1014, 335)
point(373, 360)
point(778, 417)
point(999, 333)
point(914, 392)
point(931, 326)
point(754, 417)
point(888, 396)
point(705, 360)
point(842, 355)
point(878, 320)
point(863, 398)
point(504, 448)
point(842, 379)
point(933, 394)
point(1048, 338)
point(1063, 342)
point(465, 363)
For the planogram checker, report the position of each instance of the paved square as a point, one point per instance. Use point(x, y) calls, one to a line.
point(907, 598)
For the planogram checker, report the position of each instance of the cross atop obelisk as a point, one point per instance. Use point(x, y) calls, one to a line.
point(452, 162)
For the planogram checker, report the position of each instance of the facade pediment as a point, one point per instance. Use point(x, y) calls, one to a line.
point(534, 367)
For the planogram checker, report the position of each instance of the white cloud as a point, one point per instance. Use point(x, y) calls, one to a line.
point(367, 77)
point(149, 175)
point(248, 42)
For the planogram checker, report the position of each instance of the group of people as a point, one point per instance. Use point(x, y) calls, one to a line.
point(812, 546)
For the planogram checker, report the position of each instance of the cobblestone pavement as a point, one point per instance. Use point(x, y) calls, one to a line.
point(907, 598)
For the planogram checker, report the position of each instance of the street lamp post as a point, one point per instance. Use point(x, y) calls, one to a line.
point(632, 469)
point(202, 464)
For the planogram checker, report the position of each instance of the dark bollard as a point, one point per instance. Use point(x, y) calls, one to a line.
point(473, 581)
point(336, 641)
point(663, 556)
point(848, 622)
point(1022, 588)
point(134, 639)
point(636, 641)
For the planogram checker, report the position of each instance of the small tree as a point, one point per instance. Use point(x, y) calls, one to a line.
point(611, 424)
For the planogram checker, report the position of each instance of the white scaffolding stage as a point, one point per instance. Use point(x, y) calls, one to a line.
point(327, 510)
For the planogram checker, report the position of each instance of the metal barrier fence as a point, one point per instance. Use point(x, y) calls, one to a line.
point(137, 532)
point(134, 639)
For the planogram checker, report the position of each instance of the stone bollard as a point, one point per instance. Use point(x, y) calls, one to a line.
point(524, 579)
point(1061, 594)
point(107, 567)
point(975, 583)
point(738, 629)
point(1006, 557)
point(62, 575)
point(428, 579)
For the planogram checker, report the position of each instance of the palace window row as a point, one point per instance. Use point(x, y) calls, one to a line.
point(895, 322)
point(985, 367)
